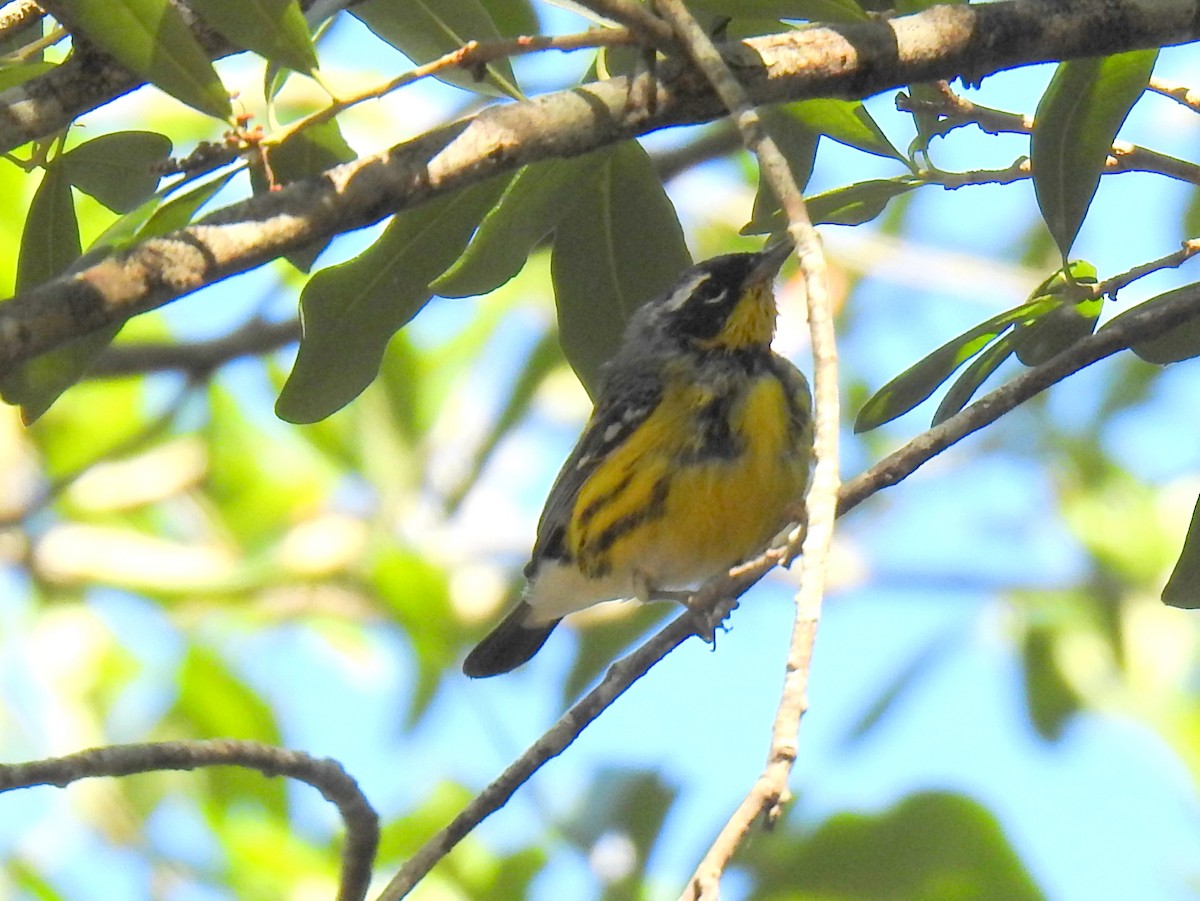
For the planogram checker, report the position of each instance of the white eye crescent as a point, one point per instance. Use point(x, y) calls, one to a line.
point(684, 290)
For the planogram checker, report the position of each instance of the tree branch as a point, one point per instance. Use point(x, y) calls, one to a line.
point(770, 789)
point(1140, 324)
point(856, 59)
point(326, 776)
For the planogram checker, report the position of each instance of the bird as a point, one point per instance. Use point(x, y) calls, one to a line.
point(696, 454)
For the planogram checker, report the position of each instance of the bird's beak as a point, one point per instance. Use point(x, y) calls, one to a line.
point(771, 260)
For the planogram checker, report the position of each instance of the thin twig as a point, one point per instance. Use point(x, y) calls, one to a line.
point(198, 358)
point(770, 790)
point(473, 55)
point(636, 18)
point(1110, 286)
point(1138, 325)
point(1124, 156)
point(326, 776)
point(1180, 93)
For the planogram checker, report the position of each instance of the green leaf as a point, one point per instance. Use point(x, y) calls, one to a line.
point(11, 76)
point(179, 211)
point(1179, 343)
point(619, 245)
point(121, 170)
point(50, 240)
point(935, 846)
point(1183, 587)
point(858, 203)
point(811, 10)
point(1049, 697)
point(274, 29)
point(845, 121)
point(512, 18)
point(424, 30)
point(973, 376)
point(543, 358)
point(536, 199)
point(1077, 119)
point(1072, 316)
point(151, 38)
point(214, 702)
point(350, 311)
point(798, 143)
point(919, 381)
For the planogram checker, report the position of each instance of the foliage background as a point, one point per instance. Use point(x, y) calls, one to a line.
point(1002, 707)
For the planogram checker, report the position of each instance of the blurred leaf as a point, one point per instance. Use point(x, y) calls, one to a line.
point(274, 29)
point(152, 38)
point(618, 246)
point(1049, 697)
point(92, 420)
point(845, 121)
point(798, 144)
point(603, 641)
point(121, 170)
point(1183, 587)
point(919, 664)
point(543, 358)
point(1179, 343)
point(964, 388)
point(1076, 121)
point(424, 30)
point(305, 154)
point(934, 846)
point(350, 311)
point(416, 595)
point(32, 884)
point(216, 703)
point(535, 200)
point(919, 381)
point(627, 803)
point(261, 477)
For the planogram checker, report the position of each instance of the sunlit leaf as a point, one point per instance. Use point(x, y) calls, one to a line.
point(1073, 317)
point(1077, 119)
point(350, 311)
point(179, 211)
point(620, 245)
point(1183, 587)
point(845, 121)
point(858, 203)
point(275, 29)
point(120, 169)
point(152, 38)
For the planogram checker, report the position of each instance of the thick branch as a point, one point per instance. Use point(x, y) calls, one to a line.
point(844, 60)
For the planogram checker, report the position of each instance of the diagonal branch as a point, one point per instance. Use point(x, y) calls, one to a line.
point(326, 776)
point(855, 59)
point(1140, 324)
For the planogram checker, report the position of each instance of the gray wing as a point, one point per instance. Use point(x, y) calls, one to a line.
point(628, 396)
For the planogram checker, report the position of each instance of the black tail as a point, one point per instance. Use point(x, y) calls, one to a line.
point(508, 645)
